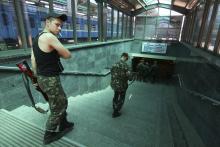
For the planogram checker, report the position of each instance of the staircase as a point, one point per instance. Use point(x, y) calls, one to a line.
point(150, 118)
point(16, 132)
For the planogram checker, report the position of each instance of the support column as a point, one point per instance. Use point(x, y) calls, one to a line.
point(211, 24)
point(183, 30)
point(100, 19)
point(187, 28)
point(131, 26)
point(104, 19)
point(20, 23)
point(189, 20)
point(145, 21)
point(217, 42)
point(203, 25)
point(112, 23)
point(193, 24)
point(122, 26)
point(118, 25)
point(74, 3)
point(126, 26)
point(88, 20)
point(51, 6)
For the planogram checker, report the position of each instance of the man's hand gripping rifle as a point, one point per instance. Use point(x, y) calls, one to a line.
point(27, 72)
point(132, 77)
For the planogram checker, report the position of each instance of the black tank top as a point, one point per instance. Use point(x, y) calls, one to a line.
point(48, 64)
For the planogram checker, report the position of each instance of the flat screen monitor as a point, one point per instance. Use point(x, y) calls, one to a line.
point(151, 47)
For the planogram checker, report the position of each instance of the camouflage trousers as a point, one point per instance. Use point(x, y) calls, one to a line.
point(118, 100)
point(57, 100)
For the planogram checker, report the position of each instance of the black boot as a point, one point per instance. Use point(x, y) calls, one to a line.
point(116, 114)
point(64, 124)
point(64, 128)
point(51, 136)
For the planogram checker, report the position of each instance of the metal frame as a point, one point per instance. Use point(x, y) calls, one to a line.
point(88, 20)
point(217, 42)
point(74, 20)
point(20, 22)
point(211, 23)
point(203, 25)
point(112, 23)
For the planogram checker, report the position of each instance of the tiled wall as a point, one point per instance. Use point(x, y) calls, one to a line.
point(93, 59)
point(201, 77)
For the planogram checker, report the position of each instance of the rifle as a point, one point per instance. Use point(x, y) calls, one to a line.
point(27, 72)
point(132, 78)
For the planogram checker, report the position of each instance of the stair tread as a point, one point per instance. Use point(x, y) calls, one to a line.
point(15, 132)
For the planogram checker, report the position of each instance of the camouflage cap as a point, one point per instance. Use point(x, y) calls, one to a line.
point(63, 17)
point(124, 55)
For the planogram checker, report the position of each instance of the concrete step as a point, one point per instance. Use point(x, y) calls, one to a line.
point(165, 135)
point(93, 111)
point(94, 125)
point(145, 121)
point(183, 132)
point(17, 132)
point(192, 137)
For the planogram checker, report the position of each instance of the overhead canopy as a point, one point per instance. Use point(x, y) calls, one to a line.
point(135, 7)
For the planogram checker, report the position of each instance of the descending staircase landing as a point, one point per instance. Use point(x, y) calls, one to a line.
point(16, 132)
point(150, 118)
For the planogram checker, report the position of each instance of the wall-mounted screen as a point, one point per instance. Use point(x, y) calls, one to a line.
point(151, 47)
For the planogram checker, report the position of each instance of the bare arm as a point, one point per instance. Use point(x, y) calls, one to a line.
point(55, 43)
point(33, 62)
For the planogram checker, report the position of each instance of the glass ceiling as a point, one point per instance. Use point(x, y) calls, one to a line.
point(160, 12)
point(150, 2)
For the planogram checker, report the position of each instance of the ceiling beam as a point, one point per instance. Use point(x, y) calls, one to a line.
point(166, 6)
point(129, 3)
point(117, 6)
point(187, 3)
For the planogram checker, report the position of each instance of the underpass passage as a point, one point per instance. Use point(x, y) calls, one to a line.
point(155, 66)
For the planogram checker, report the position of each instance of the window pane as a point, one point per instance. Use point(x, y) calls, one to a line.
point(109, 18)
point(9, 37)
point(206, 26)
point(128, 27)
point(197, 24)
point(211, 43)
point(81, 21)
point(120, 25)
point(94, 20)
point(125, 26)
point(160, 24)
point(115, 24)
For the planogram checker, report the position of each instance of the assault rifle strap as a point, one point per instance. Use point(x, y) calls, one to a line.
point(26, 72)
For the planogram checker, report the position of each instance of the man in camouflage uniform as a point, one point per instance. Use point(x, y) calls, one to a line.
point(45, 57)
point(140, 70)
point(119, 83)
point(143, 70)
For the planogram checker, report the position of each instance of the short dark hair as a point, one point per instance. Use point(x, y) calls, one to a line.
point(124, 55)
point(63, 17)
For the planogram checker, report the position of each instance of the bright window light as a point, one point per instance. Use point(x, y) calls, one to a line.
point(174, 13)
point(164, 12)
point(165, 1)
point(28, 2)
point(150, 2)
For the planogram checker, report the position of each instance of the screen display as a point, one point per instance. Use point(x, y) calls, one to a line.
point(150, 47)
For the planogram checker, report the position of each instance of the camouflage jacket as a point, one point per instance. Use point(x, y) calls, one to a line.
point(119, 76)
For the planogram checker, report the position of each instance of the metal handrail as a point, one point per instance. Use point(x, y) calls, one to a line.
point(15, 69)
point(181, 83)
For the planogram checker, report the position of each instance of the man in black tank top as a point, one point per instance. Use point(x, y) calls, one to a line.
point(45, 58)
